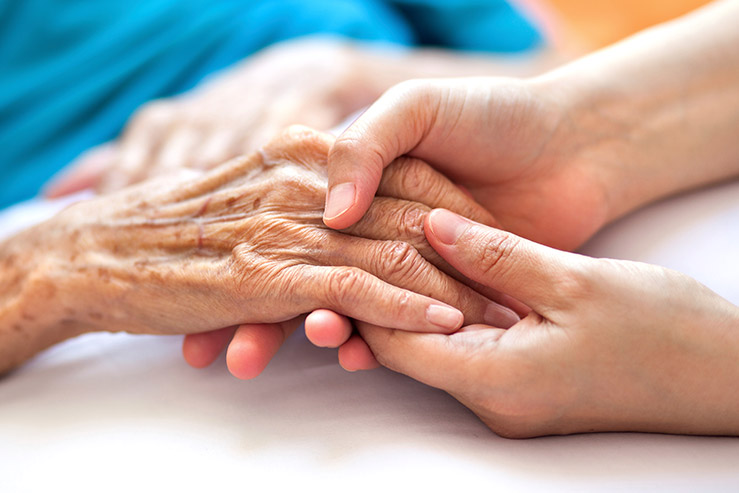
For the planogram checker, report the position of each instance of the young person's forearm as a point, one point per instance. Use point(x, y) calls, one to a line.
point(665, 103)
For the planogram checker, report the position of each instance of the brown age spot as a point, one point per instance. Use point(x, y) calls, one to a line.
point(17, 328)
point(28, 316)
point(95, 315)
point(257, 202)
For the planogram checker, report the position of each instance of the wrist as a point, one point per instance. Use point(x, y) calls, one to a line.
point(36, 305)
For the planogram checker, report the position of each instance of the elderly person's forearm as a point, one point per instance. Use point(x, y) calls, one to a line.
point(35, 307)
point(242, 244)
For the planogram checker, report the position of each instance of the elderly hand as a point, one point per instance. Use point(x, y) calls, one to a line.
point(244, 243)
point(609, 346)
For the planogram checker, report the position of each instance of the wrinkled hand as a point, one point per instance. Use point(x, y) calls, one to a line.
point(609, 346)
point(251, 346)
point(245, 243)
point(514, 144)
point(311, 82)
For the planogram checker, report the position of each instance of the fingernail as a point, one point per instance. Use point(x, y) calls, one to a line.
point(444, 316)
point(500, 316)
point(340, 198)
point(447, 226)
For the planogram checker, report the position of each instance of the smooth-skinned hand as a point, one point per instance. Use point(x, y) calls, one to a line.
point(512, 143)
point(609, 345)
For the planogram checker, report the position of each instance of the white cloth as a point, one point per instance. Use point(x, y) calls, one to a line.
point(124, 413)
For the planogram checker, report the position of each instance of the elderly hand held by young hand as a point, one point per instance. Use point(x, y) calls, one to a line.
point(242, 244)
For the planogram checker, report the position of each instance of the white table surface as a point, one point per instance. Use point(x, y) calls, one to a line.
point(123, 413)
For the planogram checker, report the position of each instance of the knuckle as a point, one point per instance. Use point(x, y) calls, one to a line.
point(243, 268)
point(399, 259)
point(411, 221)
point(344, 285)
point(299, 144)
point(494, 254)
point(416, 177)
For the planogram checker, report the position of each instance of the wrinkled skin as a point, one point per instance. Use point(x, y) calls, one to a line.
point(244, 243)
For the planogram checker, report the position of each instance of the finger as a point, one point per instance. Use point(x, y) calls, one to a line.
point(389, 128)
point(385, 219)
point(325, 328)
point(254, 345)
point(86, 172)
point(442, 361)
point(201, 350)
point(355, 355)
point(503, 261)
point(355, 293)
point(140, 144)
point(414, 180)
point(177, 149)
point(399, 264)
point(217, 148)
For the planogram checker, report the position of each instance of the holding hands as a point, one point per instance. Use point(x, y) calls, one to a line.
point(607, 345)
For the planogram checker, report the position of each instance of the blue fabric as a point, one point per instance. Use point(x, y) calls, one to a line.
point(71, 73)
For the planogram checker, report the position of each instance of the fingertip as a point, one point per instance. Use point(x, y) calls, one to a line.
point(325, 328)
point(201, 350)
point(346, 204)
point(355, 355)
point(252, 348)
point(444, 227)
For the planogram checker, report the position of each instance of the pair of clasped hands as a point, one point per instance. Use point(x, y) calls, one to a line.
point(597, 344)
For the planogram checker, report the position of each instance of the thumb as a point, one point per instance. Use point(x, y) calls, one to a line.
point(394, 125)
point(440, 360)
point(528, 271)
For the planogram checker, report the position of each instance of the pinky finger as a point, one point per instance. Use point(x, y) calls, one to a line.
point(355, 355)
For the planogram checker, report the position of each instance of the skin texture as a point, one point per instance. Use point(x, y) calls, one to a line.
point(609, 345)
point(555, 157)
point(241, 244)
